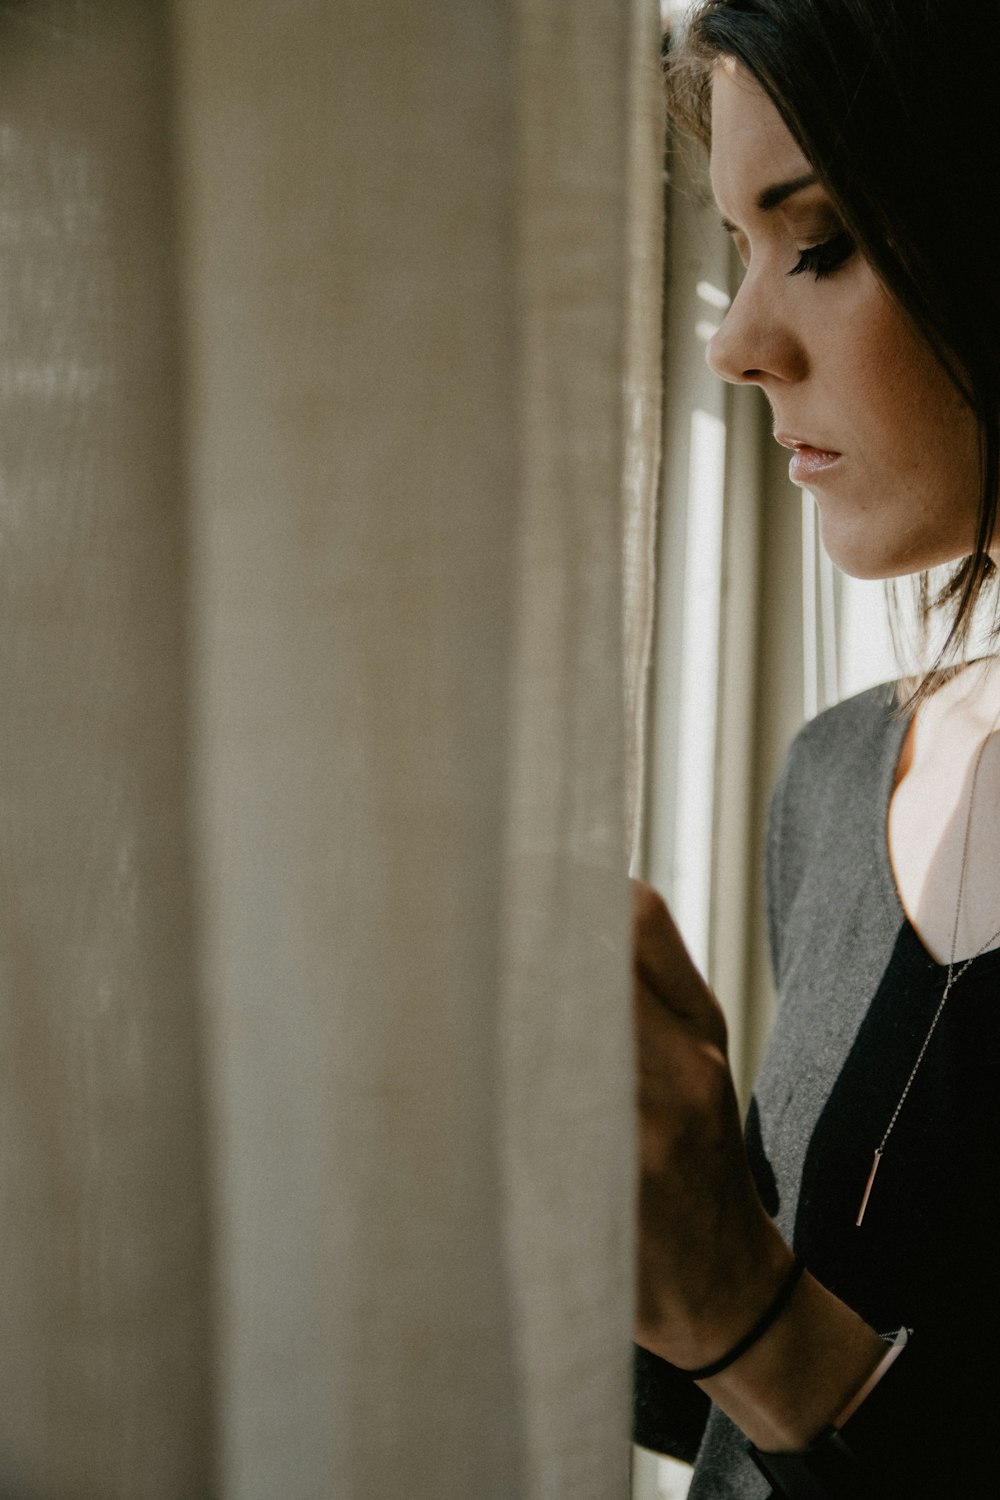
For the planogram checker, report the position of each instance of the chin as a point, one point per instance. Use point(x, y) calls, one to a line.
point(870, 569)
point(861, 554)
point(859, 558)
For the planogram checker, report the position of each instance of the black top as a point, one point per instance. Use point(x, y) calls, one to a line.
point(857, 993)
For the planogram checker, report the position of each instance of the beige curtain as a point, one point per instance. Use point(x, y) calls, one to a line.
point(643, 368)
point(315, 1103)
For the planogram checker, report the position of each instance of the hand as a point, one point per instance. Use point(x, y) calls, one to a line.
point(710, 1259)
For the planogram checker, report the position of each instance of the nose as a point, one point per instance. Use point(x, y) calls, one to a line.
point(756, 342)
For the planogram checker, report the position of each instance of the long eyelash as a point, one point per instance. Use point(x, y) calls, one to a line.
point(823, 260)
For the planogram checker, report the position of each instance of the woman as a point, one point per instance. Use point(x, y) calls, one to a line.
point(827, 1278)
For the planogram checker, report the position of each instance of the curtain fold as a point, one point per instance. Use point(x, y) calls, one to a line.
point(105, 1348)
point(643, 375)
point(317, 1054)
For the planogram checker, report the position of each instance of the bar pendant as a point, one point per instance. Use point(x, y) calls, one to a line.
point(868, 1188)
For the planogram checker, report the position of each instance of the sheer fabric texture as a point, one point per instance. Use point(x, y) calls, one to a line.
point(316, 1088)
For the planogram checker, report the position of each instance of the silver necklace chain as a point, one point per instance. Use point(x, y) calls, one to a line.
point(950, 983)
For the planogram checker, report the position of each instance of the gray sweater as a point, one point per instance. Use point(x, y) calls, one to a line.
point(857, 991)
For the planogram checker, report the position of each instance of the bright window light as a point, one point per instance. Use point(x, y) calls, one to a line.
point(697, 704)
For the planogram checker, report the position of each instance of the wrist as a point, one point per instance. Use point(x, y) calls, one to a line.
point(770, 1315)
point(830, 1465)
point(716, 1310)
point(802, 1374)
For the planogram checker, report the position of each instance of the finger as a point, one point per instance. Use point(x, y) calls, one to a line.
point(660, 958)
point(660, 1031)
point(671, 1054)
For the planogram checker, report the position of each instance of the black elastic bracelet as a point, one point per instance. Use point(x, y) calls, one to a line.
point(763, 1323)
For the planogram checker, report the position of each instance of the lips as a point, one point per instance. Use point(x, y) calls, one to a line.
point(788, 440)
point(810, 459)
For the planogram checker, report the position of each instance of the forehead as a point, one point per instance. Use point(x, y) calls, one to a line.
point(752, 146)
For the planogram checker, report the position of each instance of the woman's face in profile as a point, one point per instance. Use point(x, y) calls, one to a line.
point(880, 436)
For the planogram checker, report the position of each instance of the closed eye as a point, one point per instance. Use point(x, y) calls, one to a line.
point(822, 260)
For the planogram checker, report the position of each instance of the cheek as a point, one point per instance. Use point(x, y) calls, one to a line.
point(939, 446)
point(922, 432)
point(911, 398)
point(912, 499)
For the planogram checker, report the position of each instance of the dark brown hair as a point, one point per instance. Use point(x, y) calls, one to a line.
point(896, 105)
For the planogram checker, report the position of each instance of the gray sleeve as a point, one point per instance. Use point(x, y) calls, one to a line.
point(772, 868)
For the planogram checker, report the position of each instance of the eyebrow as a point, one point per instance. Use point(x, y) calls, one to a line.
point(772, 197)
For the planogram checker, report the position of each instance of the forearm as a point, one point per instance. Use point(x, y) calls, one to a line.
point(802, 1374)
point(711, 1261)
